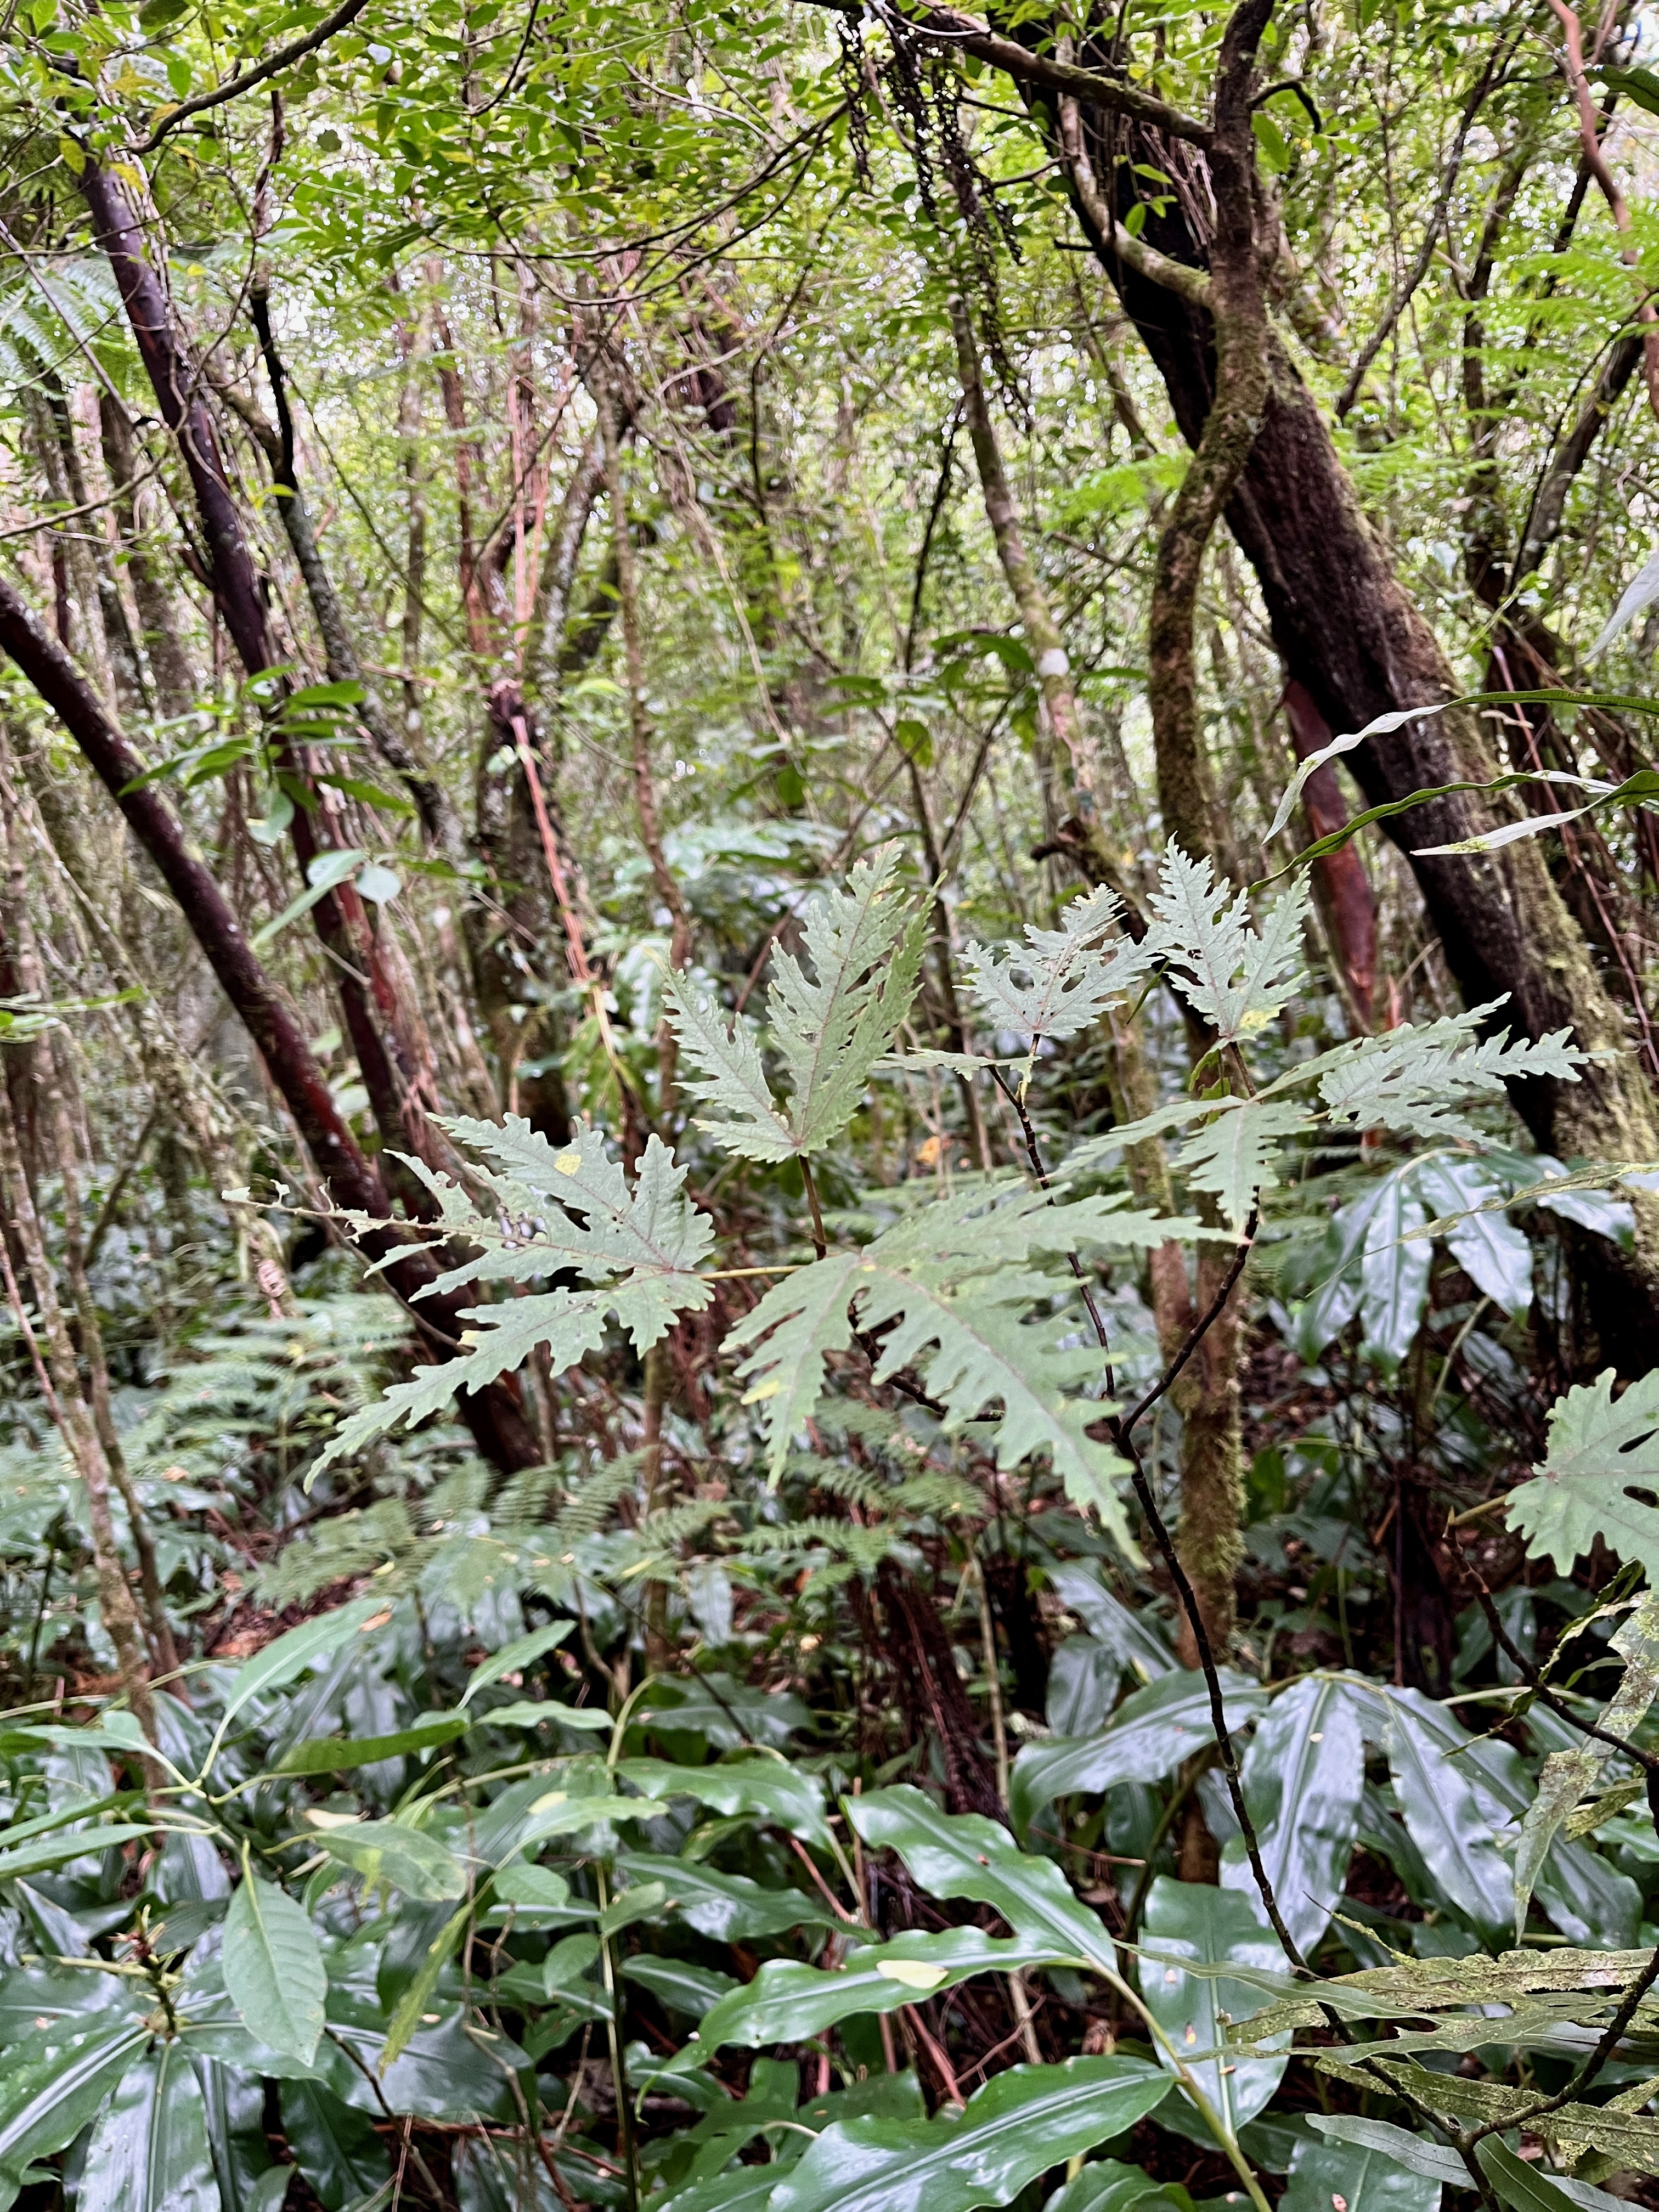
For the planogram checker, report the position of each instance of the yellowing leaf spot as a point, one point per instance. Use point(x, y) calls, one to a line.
point(911, 1973)
point(553, 1797)
point(763, 1390)
point(568, 1163)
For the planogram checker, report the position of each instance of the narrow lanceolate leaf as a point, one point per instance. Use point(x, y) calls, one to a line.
point(964, 1855)
point(1061, 981)
point(1236, 979)
point(1018, 2126)
point(1304, 1775)
point(46, 2100)
point(336, 1755)
point(1364, 2178)
point(416, 1998)
point(285, 1656)
point(1490, 1251)
point(1149, 1736)
point(149, 2151)
point(523, 1651)
point(790, 2004)
point(1603, 1453)
point(273, 1969)
point(1569, 1775)
point(1517, 2184)
point(1188, 1921)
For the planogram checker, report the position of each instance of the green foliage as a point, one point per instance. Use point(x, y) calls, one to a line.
point(1600, 1454)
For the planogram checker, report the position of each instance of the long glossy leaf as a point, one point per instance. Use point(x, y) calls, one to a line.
point(273, 1969)
point(290, 1654)
point(779, 1793)
point(1443, 1816)
point(512, 1657)
point(1518, 2184)
point(1190, 1921)
point(1415, 2155)
point(729, 1907)
point(1304, 1776)
point(790, 2004)
point(149, 2152)
point(57, 1850)
point(964, 1855)
point(1019, 2125)
point(45, 2103)
point(1149, 1736)
point(1364, 2180)
point(335, 1754)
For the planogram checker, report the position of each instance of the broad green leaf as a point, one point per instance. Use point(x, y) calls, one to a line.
point(1419, 2155)
point(1393, 1272)
point(567, 1813)
point(1364, 2178)
point(678, 1984)
point(334, 2145)
point(1569, 1775)
point(386, 1851)
point(1443, 1816)
point(334, 1754)
point(1303, 1778)
point(1490, 1250)
point(1149, 1736)
point(1061, 981)
point(273, 1969)
point(46, 2101)
point(149, 2151)
point(290, 1654)
point(512, 1658)
point(780, 1793)
point(964, 1855)
point(1188, 1921)
point(730, 1907)
point(1603, 1452)
point(1107, 2186)
point(791, 2004)
point(1018, 2126)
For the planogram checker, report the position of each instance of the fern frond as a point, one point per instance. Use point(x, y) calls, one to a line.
point(828, 1029)
point(966, 1339)
point(1236, 1155)
point(1236, 979)
point(1061, 980)
point(1413, 1080)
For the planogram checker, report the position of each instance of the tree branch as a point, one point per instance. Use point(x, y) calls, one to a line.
point(273, 65)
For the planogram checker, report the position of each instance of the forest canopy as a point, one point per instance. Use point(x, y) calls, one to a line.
point(829, 1106)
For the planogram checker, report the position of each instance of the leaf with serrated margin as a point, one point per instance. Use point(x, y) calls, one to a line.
point(1421, 1987)
point(1061, 981)
point(1600, 1449)
point(968, 1342)
point(1413, 1080)
point(1630, 2138)
point(1236, 979)
point(1018, 2126)
point(1237, 1154)
point(542, 1189)
point(1569, 1775)
point(569, 1324)
point(722, 1067)
point(865, 944)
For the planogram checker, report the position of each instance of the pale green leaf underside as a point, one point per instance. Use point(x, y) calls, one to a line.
point(1600, 1449)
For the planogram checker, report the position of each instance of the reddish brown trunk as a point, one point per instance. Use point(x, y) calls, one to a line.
point(1341, 883)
